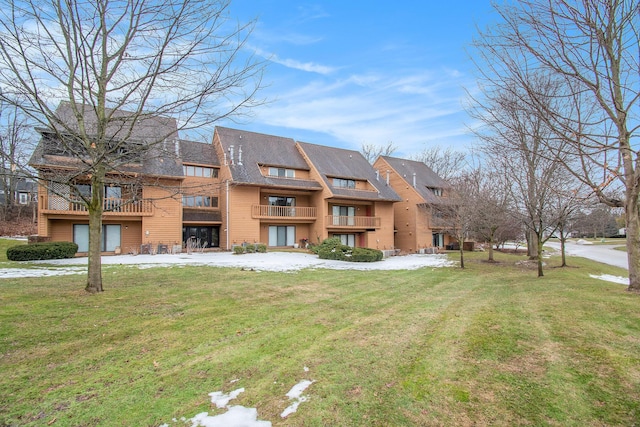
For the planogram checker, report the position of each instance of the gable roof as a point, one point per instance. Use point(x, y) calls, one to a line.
point(333, 162)
point(157, 132)
point(142, 127)
point(426, 178)
point(245, 152)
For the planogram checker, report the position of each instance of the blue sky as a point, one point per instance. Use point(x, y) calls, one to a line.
point(347, 73)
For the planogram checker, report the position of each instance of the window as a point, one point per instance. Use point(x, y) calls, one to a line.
point(282, 172)
point(284, 235)
point(282, 206)
point(23, 198)
point(436, 191)
point(344, 183)
point(199, 201)
point(82, 190)
point(110, 237)
point(200, 171)
point(347, 239)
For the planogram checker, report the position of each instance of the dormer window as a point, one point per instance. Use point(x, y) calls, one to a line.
point(282, 172)
point(436, 191)
point(200, 171)
point(344, 183)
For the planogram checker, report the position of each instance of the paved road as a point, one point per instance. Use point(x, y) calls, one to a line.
point(601, 253)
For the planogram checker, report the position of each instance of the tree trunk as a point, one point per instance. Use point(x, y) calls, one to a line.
point(563, 241)
point(633, 242)
point(539, 253)
point(532, 244)
point(95, 208)
point(491, 251)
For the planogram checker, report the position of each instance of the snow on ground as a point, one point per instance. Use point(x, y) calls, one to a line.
point(9, 273)
point(270, 261)
point(611, 278)
point(240, 416)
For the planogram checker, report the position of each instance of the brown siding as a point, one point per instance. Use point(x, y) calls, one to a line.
point(242, 227)
point(409, 222)
point(165, 226)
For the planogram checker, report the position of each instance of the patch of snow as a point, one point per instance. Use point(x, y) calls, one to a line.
point(15, 273)
point(221, 400)
point(611, 278)
point(271, 261)
point(583, 242)
point(236, 416)
point(296, 394)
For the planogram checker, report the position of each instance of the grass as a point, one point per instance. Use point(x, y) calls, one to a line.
point(488, 345)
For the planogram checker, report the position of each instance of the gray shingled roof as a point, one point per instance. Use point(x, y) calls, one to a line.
point(425, 177)
point(334, 162)
point(160, 132)
point(251, 150)
point(199, 153)
point(148, 127)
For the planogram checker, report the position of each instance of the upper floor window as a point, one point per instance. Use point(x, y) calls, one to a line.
point(199, 201)
point(436, 191)
point(282, 201)
point(344, 183)
point(200, 171)
point(282, 172)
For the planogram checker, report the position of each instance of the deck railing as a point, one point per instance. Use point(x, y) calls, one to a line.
point(353, 221)
point(111, 206)
point(299, 212)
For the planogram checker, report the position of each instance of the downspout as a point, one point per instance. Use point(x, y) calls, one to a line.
point(227, 227)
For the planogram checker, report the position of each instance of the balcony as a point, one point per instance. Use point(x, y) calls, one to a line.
point(353, 222)
point(111, 206)
point(299, 213)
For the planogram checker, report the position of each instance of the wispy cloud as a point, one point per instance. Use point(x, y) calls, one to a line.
point(411, 111)
point(310, 67)
point(310, 13)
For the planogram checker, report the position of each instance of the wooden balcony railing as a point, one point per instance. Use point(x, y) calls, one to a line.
point(111, 206)
point(294, 212)
point(353, 221)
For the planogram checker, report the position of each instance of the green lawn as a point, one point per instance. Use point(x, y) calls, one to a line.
point(488, 345)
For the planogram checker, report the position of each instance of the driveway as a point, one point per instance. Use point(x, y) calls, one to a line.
point(601, 253)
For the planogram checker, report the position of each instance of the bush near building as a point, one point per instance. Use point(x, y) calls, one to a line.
point(42, 251)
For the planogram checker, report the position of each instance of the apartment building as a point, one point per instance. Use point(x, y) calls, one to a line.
point(285, 193)
point(418, 221)
point(244, 187)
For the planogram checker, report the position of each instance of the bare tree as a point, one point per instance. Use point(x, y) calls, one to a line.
point(447, 163)
point(516, 139)
point(593, 48)
point(456, 212)
point(371, 151)
point(493, 206)
point(15, 144)
point(567, 201)
point(177, 59)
